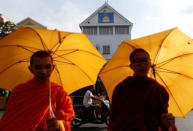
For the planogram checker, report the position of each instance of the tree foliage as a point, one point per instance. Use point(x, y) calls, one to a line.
point(6, 28)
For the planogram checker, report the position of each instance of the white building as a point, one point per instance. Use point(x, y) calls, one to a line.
point(29, 22)
point(106, 28)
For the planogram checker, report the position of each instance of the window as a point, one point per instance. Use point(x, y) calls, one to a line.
point(106, 49)
point(90, 30)
point(106, 30)
point(122, 30)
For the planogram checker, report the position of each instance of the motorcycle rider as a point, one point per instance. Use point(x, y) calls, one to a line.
point(88, 103)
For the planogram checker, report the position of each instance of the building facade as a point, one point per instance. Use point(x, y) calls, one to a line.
point(29, 22)
point(106, 28)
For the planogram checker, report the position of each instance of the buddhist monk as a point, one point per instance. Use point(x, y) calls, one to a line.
point(140, 103)
point(28, 105)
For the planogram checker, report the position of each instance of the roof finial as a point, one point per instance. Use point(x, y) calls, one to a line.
point(106, 1)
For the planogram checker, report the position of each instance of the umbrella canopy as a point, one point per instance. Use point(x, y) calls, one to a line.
point(171, 55)
point(77, 62)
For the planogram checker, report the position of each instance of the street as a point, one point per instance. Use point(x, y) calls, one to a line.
point(91, 127)
point(183, 124)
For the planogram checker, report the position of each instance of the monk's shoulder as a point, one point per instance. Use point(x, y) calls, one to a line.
point(21, 85)
point(122, 85)
point(59, 88)
point(157, 87)
point(55, 85)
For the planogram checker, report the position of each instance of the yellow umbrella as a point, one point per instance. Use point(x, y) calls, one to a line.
point(77, 61)
point(171, 55)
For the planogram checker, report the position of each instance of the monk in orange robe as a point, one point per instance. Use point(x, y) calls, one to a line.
point(28, 106)
point(140, 103)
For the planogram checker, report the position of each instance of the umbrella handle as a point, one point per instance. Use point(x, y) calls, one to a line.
point(154, 72)
point(50, 102)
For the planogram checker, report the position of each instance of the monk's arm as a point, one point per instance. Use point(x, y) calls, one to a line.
point(64, 108)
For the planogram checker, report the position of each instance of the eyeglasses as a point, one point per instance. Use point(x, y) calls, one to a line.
point(39, 67)
point(138, 61)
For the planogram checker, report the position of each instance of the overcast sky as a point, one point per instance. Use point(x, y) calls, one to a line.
point(147, 16)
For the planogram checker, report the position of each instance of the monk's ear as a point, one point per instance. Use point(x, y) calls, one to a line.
point(30, 68)
point(131, 66)
point(53, 66)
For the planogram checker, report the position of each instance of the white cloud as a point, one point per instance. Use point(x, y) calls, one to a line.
point(148, 16)
point(67, 17)
point(188, 10)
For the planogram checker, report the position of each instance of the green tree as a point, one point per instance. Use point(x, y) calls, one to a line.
point(6, 28)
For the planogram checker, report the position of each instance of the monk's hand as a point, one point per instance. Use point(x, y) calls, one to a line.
point(168, 120)
point(52, 124)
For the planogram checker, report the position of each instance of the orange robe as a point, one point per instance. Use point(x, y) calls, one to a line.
point(137, 105)
point(28, 107)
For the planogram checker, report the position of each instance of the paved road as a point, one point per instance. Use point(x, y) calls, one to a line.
point(183, 124)
point(91, 127)
point(84, 127)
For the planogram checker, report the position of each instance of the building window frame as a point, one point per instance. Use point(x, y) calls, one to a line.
point(106, 49)
point(90, 30)
point(106, 30)
point(120, 30)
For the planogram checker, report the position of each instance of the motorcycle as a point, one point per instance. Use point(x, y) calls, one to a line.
point(82, 115)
